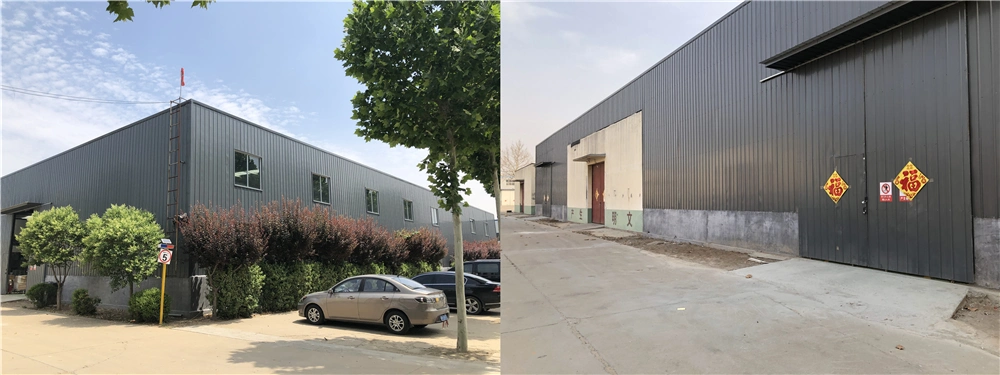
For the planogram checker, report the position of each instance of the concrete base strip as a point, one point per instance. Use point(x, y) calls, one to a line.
point(458, 366)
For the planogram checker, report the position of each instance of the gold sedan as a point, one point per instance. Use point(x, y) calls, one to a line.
point(394, 301)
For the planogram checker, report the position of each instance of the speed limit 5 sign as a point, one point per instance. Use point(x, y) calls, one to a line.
point(164, 256)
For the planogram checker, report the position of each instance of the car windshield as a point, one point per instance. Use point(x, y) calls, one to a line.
point(409, 283)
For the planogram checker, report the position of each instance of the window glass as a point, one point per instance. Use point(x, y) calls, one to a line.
point(374, 285)
point(434, 216)
point(371, 201)
point(486, 229)
point(349, 286)
point(253, 170)
point(424, 279)
point(247, 170)
point(473, 226)
point(489, 268)
point(241, 169)
point(390, 288)
point(407, 210)
point(444, 279)
point(408, 283)
point(321, 188)
point(469, 267)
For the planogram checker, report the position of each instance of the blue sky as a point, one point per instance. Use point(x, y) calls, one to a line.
point(270, 63)
point(559, 59)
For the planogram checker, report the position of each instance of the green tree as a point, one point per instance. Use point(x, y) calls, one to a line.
point(123, 12)
point(52, 237)
point(430, 71)
point(122, 245)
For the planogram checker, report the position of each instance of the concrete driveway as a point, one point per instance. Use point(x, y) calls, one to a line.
point(47, 342)
point(586, 305)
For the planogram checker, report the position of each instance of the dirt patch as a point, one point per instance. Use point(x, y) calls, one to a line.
point(712, 257)
point(982, 313)
point(549, 222)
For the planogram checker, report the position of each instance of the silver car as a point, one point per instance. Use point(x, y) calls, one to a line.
point(397, 302)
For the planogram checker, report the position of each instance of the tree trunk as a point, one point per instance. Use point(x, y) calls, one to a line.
point(59, 287)
point(130, 290)
point(496, 189)
point(463, 335)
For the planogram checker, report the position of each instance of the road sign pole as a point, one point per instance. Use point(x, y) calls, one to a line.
point(163, 284)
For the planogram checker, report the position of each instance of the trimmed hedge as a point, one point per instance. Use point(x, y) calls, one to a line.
point(305, 250)
point(42, 295)
point(285, 284)
point(84, 304)
point(144, 306)
point(239, 292)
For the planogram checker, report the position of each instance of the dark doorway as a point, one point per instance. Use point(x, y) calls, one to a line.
point(520, 202)
point(597, 198)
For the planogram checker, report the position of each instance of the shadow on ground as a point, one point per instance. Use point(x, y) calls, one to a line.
point(306, 356)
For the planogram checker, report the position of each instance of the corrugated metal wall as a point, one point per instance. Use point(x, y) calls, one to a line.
point(711, 149)
point(736, 149)
point(126, 166)
point(286, 171)
point(984, 98)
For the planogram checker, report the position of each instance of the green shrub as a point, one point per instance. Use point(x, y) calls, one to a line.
point(42, 295)
point(238, 292)
point(84, 304)
point(285, 284)
point(144, 306)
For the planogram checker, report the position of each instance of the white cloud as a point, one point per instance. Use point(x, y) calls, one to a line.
point(101, 52)
point(82, 32)
point(613, 59)
point(518, 13)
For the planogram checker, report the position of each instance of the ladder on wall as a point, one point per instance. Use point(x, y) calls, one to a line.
point(174, 164)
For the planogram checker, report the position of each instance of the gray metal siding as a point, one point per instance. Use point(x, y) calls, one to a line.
point(126, 166)
point(740, 148)
point(287, 166)
point(984, 95)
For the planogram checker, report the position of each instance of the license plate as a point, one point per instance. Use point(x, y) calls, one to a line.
point(444, 317)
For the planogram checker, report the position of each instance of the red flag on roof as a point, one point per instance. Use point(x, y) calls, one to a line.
point(182, 76)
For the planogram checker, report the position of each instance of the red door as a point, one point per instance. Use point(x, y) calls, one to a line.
point(597, 197)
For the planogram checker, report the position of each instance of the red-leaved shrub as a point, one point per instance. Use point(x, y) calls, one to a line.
point(422, 245)
point(475, 250)
point(375, 244)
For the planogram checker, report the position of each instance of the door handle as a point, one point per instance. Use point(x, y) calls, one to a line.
point(350, 297)
point(864, 206)
point(384, 298)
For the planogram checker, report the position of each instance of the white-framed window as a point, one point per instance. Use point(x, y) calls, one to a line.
point(407, 210)
point(321, 188)
point(247, 170)
point(434, 217)
point(486, 229)
point(473, 225)
point(371, 201)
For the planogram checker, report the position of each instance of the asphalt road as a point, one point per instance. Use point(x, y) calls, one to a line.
point(576, 304)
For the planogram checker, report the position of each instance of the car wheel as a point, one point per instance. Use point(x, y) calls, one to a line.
point(473, 305)
point(397, 322)
point(314, 314)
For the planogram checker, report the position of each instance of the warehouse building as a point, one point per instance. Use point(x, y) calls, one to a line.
point(524, 189)
point(864, 133)
point(193, 153)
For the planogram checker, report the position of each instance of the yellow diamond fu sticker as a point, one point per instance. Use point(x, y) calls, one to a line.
point(910, 180)
point(835, 187)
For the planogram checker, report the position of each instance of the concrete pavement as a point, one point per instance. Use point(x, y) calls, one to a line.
point(37, 342)
point(585, 305)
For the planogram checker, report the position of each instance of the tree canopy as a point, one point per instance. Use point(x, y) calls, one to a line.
point(431, 72)
point(431, 76)
point(123, 12)
point(52, 237)
point(122, 245)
